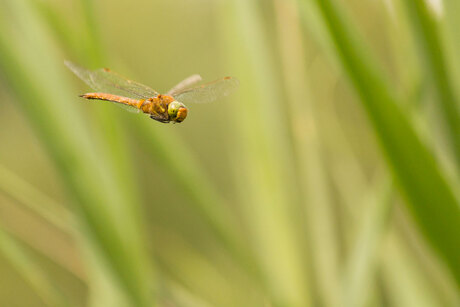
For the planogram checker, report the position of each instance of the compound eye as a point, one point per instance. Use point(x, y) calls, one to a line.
point(181, 114)
point(173, 108)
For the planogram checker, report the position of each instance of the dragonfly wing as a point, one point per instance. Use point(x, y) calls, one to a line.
point(104, 80)
point(128, 108)
point(184, 84)
point(208, 92)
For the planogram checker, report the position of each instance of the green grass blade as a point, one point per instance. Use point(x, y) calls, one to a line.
point(204, 276)
point(262, 157)
point(362, 265)
point(182, 297)
point(27, 195)
point(57, 22)
point(178, 161)
point(88, 180)
point(116, 149)
point(452, 39)
point(321, 223)
point(96, 276)
point(429, 196)
point(31, 271)
point(431, 45)
point(185, 171)
point(94, 46)
point(58, 216)
point(402, 278)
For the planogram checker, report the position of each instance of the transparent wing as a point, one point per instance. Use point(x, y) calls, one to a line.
point(104, 80)
point(208, 92)
point(127, 108)
point(184, 84)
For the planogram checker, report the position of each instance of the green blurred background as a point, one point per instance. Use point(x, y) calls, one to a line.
point(329, 179)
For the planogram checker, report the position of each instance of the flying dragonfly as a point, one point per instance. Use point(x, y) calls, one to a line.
point(137, 97)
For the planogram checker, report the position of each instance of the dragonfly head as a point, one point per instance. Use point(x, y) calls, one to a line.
point(177, 111)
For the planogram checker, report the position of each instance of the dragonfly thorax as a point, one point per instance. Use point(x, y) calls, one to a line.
point(177, 111)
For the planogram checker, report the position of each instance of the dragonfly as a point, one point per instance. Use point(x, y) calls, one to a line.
point(136, 97)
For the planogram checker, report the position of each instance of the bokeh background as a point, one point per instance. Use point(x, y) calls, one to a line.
point(330, 178)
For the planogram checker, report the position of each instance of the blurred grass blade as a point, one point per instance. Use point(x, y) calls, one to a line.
point(182, 297)
point(202, 275)
point(452, 24)
point(320, 219)
point(23, 193)
point(34, 200)
point(184, 170)
point(402, 278)
point(116, 149)
point(31, 271)
point(431, 45)
point(94, 47)
point(90, 181)
point(362, 264)
point(57, 23)
point(263, 157)
point(429, 196)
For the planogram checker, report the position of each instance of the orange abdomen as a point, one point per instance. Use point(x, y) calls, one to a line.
point(114, 98)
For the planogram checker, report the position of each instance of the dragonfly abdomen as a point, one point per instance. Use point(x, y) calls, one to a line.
point(115, 98)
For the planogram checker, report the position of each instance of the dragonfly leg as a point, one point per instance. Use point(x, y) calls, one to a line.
point(161, 120)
